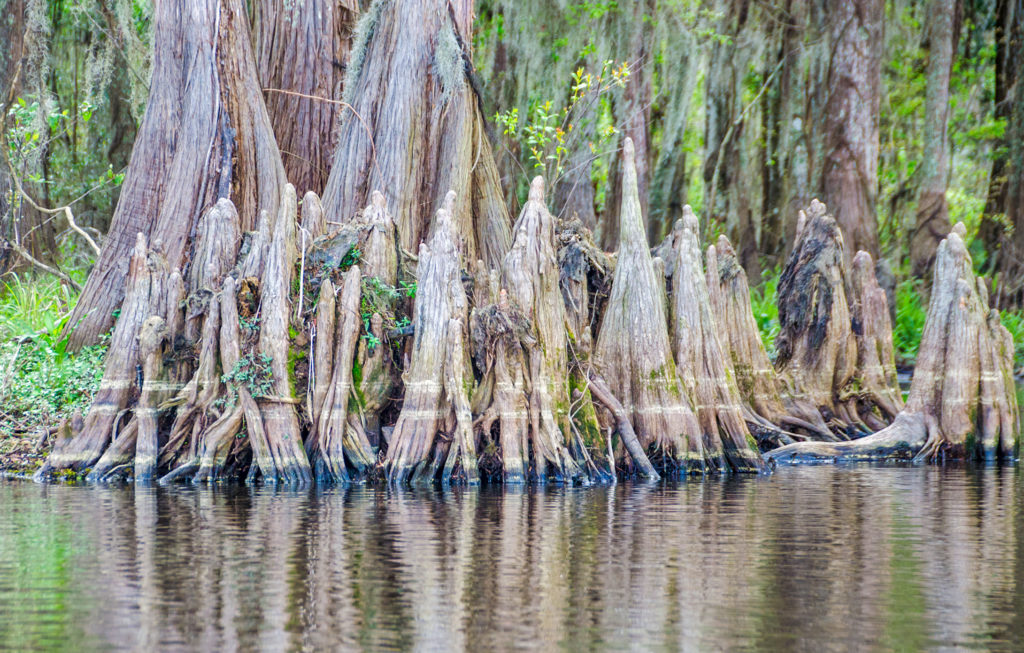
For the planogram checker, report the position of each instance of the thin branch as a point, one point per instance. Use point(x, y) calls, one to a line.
point(66, 210)
point(345, 105)
point(55, 271)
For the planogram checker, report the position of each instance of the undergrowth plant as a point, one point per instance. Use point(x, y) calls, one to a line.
point(766, 309)
point(40, 381)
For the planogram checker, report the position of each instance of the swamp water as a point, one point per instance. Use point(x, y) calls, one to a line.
point(810, 558)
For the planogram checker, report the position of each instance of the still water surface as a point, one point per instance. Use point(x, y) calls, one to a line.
point(811, 559)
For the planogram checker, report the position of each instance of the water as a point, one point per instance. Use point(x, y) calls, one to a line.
point(812, 558)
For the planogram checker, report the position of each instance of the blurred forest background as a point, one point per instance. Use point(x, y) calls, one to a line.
point(903, 116)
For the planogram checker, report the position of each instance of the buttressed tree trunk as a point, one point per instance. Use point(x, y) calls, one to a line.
point(837, 357)
point(848, 147)
point(703, 367)
point(962, 401)
point(932, 222)
point(756, 378)
point(634, 350)
point(205, 134)
point(438, 380)
point(301, 51)
point(414, 128)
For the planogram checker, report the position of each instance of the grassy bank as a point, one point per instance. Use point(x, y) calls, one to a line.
point(41, 381)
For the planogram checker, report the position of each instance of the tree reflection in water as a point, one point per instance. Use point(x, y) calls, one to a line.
point(812, 558)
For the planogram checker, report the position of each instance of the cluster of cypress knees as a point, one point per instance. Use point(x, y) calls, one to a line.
point(317, 351)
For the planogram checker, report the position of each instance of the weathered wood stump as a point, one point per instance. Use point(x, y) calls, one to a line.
point(835, 342)
point(520, 344)
point(876, 398)
point(764, 407)
point(962, 402)
point(703, 367)
point(633, 348)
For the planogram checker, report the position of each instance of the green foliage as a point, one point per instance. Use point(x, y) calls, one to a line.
point(546, 134)
point(252, 371)
point(352, 257)
point(1014, 323)
point(766, 309)
point(41, 382)
point(381, 298)
point(910, 316)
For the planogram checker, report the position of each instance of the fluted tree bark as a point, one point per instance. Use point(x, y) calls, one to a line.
point(205, 134)
point(301, 52)
point(414, 129)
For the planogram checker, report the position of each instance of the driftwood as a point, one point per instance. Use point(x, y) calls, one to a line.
point(962, 402)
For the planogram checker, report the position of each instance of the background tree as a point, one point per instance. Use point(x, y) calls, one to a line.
point(932, 220)
point(1003, 226)
point(845, 116)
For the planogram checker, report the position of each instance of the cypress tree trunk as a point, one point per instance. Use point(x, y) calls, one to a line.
point(847, 144)
point(962, 401)
point(932, 221)
point(770, 416)
point(12, 34)
point(301, 52)
point(634, 350)
point(1005, 205)
point(835, 342)
point(415, 128)
point(205, 134)
point(633, 115)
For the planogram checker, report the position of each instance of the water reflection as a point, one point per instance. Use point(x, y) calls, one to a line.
point(812, 559)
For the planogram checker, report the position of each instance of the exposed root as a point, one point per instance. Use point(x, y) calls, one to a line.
point(144, 297)
point(962, 402)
